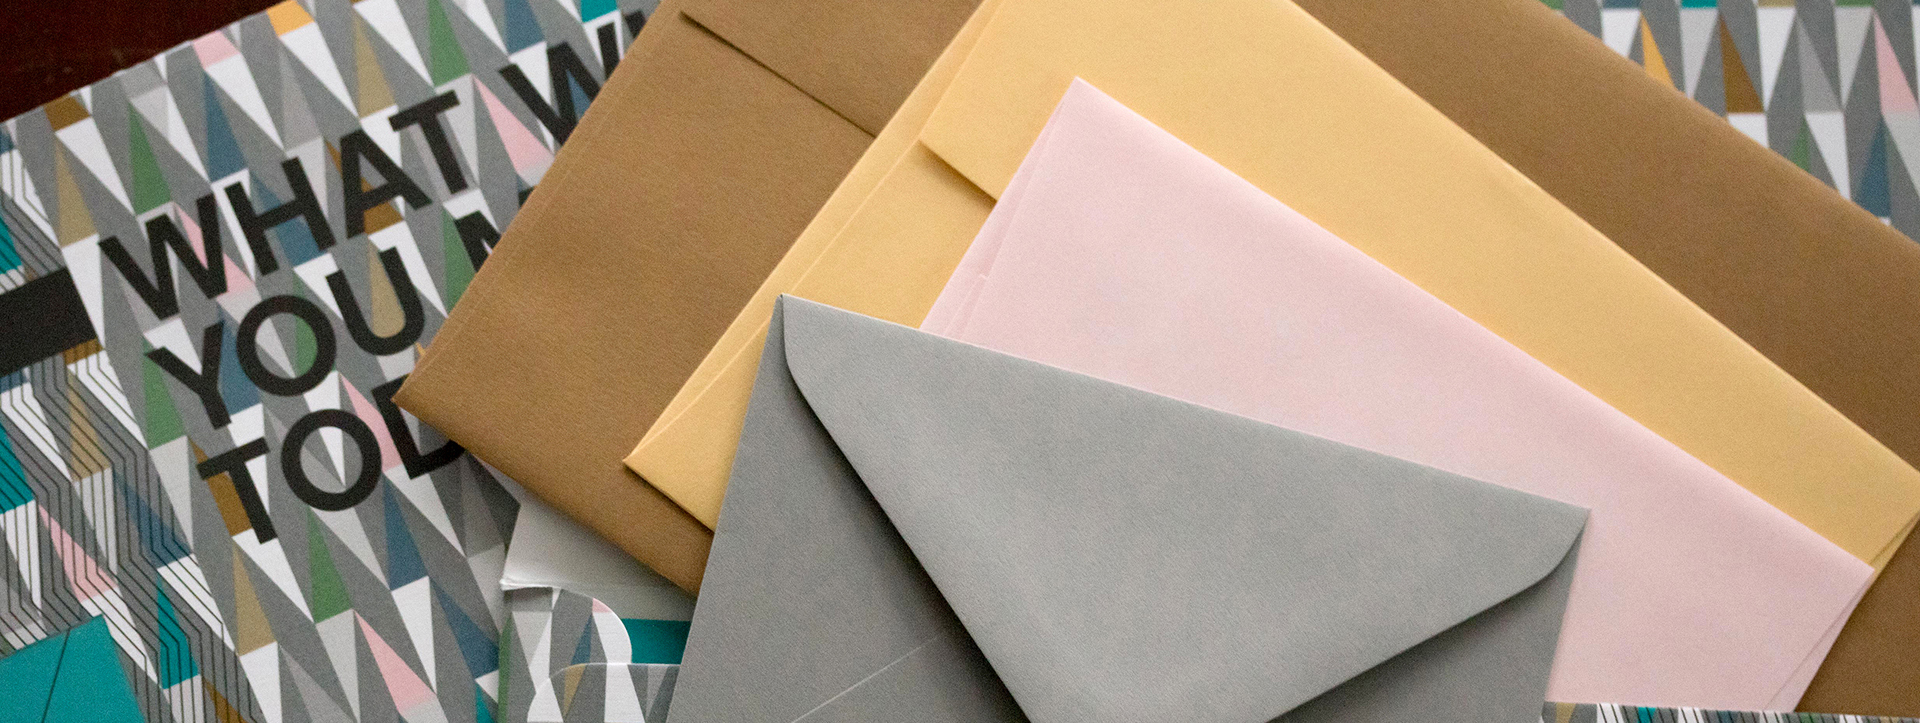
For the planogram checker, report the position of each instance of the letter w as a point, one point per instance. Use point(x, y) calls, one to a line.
point(157, 291)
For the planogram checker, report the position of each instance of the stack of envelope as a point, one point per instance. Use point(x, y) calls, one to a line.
point(1222, 360)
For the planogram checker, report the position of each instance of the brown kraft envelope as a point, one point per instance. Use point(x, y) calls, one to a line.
point(1816, 284)
point(699, 163)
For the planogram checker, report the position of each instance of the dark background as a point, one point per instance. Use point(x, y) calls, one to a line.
point(49, 48)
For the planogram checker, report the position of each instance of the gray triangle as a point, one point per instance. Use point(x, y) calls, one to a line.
point(1816, 78)
point(1901, 193)
point(1862, 114)
point(1711, 89)
point(1851, 26)
point(319, 703)
point(186, 80)
point(1785, 109)
point(296, 120)
point(262, 49)
point(112, 110)
point(1815, 18)
point(1584, 13)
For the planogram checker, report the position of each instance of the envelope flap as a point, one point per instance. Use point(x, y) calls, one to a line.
point(1216, 51)
point(859, 57)
point(1079, 528)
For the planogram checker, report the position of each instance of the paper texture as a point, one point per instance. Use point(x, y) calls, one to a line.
point(571, 657)
point(215, 268)
point(1114, 555)
point(732, 127)
point(1365, 159)
point(549, 549)
point(73, 677)
point(1120, 252)
point(1822, 289)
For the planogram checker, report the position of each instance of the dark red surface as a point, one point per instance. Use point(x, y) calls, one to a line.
point(49, 48)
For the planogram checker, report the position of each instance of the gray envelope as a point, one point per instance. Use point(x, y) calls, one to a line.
point(922, 530)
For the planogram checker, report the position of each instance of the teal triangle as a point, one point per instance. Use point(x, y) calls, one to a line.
point(28, 675)
point(658, 642)
point(523, 29)
point(9, 255)
point(236, 389)
point(6, 143)
point(223, 152)
point(476, 645)
point(163, 545)
point(92, 687)
point(1873, 193)
point(14, 491)
point(176, 658)
point(482, 708)
point(590, 9)
point(403, 557)
point(73, 677)
point(296, 240)
point(583, 648)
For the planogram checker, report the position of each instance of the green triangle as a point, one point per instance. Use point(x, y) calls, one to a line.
point(507, 657)
point(459, 267)
point(306, 348)
point(163, 420)
point(448, 62)
point(328, 597)
point(149, 187)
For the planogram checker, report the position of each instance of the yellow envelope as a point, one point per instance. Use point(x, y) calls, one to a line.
point(1264, 89)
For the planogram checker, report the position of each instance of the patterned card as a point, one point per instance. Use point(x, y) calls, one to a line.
point(568, 657)
point(1830, 84)
point(226, 259)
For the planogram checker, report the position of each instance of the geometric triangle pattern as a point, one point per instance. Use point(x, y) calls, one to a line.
point(264, 225)
point(1613, 713)
point(568, 657)
point(1831, 86)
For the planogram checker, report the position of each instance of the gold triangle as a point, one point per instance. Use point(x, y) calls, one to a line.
point(1656, 64)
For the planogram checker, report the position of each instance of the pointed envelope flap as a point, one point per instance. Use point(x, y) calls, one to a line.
point(1079, 528)
point(813, 609)
point(689, 450)
point(859, 57)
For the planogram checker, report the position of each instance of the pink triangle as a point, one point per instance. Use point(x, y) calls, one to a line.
point(523, 148)
point(85, 575)
point(1895, 95)
point(237, 279)
point(407, 688)
point(389, 455)
point(213, 48)
point(192, 231)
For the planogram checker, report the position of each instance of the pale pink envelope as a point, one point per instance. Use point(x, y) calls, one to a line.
point(1120, 252)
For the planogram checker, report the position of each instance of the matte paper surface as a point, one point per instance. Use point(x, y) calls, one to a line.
point(732, 126)
point(1364, 158)
point(927, 530)
point(1120, 252)
point(1820, 287)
